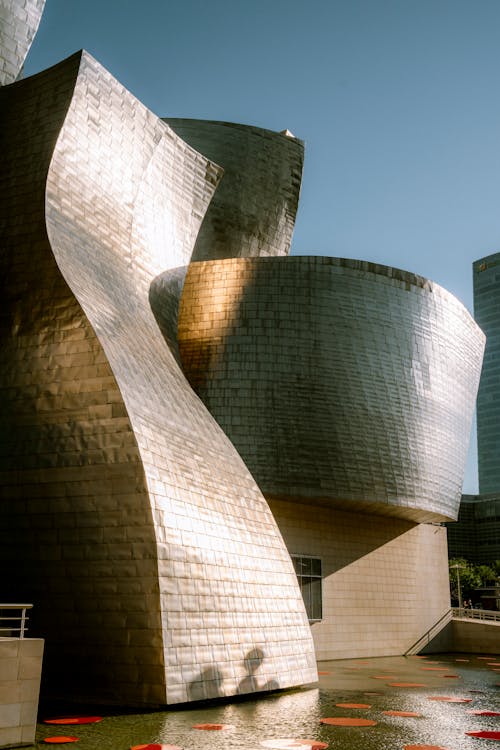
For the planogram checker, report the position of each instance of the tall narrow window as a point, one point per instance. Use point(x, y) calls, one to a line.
point(308, 570)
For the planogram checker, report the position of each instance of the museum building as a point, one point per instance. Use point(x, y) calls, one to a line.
point(219, 462)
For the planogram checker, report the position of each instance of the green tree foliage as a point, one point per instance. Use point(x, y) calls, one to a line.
point(471, 577)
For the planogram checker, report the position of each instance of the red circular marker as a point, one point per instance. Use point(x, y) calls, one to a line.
point(342, 721)
point(485, 735)
point(293, 744)
point(401, 713)
point(74, 720)
point(353, 705)
point(484, 713)
point(451, 676)
point(323, 672)
point(449, 699)
point(60, 740)
point(154, 746)
point(211, 727)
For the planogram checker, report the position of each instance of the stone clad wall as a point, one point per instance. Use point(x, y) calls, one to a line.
point(377, 600)
point(20, 671)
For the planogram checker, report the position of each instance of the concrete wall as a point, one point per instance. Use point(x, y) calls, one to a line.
point(20, 672)
point(377, 600)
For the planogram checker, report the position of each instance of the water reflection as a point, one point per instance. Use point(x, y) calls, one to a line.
point(297, 714)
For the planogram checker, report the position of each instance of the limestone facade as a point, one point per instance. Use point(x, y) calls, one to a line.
point(21, 661)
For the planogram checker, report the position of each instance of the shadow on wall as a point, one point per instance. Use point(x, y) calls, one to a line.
point(210, 682)
point(354, 539)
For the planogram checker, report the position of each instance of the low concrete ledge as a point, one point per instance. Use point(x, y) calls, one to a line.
point(20, 673)
point(466, 636)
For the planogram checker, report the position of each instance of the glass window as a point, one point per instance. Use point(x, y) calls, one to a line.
point(308, 570)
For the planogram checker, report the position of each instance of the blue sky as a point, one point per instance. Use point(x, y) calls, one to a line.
point(398, 103)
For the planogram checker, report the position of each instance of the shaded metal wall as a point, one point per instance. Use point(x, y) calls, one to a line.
point(253, 211)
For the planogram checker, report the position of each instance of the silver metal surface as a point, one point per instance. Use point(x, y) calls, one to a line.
point(19, 21)
point(153, 559)
point(339, 381)
point(253, 211)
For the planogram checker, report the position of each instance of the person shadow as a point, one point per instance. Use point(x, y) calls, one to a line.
point(207, 686)
point(250, 684)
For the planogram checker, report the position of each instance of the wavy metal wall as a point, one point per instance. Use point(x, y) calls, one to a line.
point(157, 568)
point(19, 21)
point(338, 381)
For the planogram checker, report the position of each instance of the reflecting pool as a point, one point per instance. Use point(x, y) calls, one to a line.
point(443, 690)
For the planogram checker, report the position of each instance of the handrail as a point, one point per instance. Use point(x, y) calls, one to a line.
point(22, 619)
point(476, 614)
point(431, 633)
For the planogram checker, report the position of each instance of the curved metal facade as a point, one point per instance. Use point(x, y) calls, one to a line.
point(19, 21)
point(154, 561)
point(253, 211)
point(338, 381)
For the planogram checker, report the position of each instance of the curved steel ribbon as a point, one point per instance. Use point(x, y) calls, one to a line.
point(159, 570)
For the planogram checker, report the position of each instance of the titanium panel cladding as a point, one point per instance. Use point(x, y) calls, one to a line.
point(153, 559)
point(253, 211)
point(486, 274)
point(338, 381)
point(19, 21)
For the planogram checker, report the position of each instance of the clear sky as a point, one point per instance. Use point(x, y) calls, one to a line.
point(398, 103)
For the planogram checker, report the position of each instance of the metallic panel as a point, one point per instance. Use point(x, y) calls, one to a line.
point(19, 21)
point(154, 561)
point(253, 211)
point(339, 381)
point(486, 276)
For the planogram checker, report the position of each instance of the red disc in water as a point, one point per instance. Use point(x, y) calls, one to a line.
point(74, 720)
point(154, 746)
point(485, 713)
point(59, 740)
point(449, 699)
point(485, 735)
point(210, 727)
point(342, 721)
point(315, 744)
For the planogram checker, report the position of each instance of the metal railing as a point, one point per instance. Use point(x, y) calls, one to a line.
point(476, 614)
point(431, 633)
point(17, 623)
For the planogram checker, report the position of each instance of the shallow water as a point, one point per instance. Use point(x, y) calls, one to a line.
point(297, 714)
